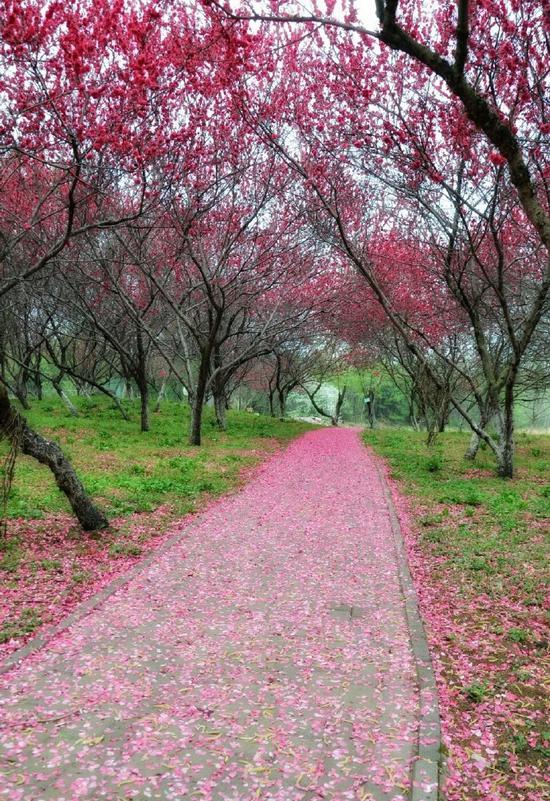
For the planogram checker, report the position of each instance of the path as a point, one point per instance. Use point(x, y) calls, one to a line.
point(265, 656)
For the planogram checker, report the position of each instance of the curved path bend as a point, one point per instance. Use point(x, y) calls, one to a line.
point(265, 656)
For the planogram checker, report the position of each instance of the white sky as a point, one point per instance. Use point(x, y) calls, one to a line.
point(367, 13)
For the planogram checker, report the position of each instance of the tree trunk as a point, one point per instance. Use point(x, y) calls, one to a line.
point(196, 422)
point(432, 436)
point(412, 412)
point(50, 454)
point(271, 403)
point(161, 394)
point(371, 414)
point(21, 394)
point(198, 400)
point(473, 447)
point(219, 405)
point(118, 405)
point(73, 411)
point(505, 456)
point(443, 416)
point(503, 449)
point(282, 403)
point(475, 441)
point(332, 417)
point(505, 459)
point(338, 409)
point(141, 379)
point(218, 392)
point(144, 403)
point(37, 382)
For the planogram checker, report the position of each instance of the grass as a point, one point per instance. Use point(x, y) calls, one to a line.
point(128, 471)
point(479, 522)
point(481, 557)
point(27, 622)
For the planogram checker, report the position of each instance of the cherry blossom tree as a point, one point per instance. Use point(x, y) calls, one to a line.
point(444, 117)
point(96, 105)
point(174, 166)
point(236, 253)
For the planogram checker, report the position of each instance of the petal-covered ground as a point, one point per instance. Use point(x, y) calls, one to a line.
point(265, 656)
point(60, 567)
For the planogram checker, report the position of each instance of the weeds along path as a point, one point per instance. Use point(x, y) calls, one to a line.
point(266, 655)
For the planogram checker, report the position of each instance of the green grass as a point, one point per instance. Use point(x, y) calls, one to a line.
point(496, 516)
point(480, 523)
point(129, 471)
point(476, 692)
point(27, 622)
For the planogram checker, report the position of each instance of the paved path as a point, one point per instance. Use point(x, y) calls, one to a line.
point(265, 656)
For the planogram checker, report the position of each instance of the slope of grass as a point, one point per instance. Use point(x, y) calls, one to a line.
point(129, 471)
point(493, 533)
point(479, 552)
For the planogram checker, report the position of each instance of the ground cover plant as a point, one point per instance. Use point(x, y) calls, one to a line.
point(146, 481)
point(478, 549)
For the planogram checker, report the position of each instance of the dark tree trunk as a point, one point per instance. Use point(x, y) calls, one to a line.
point(218, 390)
point(485, 415)
point(282, 403)
point(505, 459)
point(198, 400)
point(50, 454)
point(432, 436)
point(443, 416)
point(412, 411)
point(332, 417)
point(370, 409)
point(271, 396)
point(144, 403)
point(141, 379)
point(21, 394)
point(196, 422)
point(37, 382)
point(505, 456)
point(118, 405)
point(503, 447)
point(128, 390)
point(473, 447)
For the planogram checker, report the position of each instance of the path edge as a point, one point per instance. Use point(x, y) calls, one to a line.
point(427, 768)
point(84, 608)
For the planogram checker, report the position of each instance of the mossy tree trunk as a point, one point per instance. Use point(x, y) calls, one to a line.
point(13, 425)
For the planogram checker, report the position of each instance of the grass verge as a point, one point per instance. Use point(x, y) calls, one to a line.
point(478, 548)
